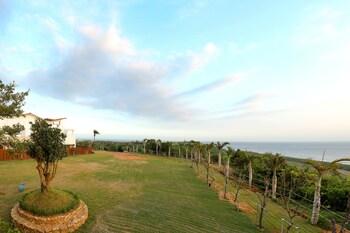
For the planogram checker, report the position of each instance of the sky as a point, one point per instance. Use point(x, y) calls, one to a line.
point(183, 69)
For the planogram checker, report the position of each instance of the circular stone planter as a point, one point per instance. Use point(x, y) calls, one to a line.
point(67, 222)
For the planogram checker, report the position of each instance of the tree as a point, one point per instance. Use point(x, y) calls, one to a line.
point(249, 160)
point(95, 133)
point(276, 162)
point(47, 147)
point(158, 145)
point(296, 178)
point(207, 150)
point(144, 145)
point(170, 145)
point(229, 153)
point(321, 168)
point(220, 147)
point(11, 103)
point(263, 201)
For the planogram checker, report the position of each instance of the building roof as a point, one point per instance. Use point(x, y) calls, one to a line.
point(46, 119)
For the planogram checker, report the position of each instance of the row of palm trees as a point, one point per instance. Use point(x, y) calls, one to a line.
point(201, 153)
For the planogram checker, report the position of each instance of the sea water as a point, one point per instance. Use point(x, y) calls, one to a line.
point(313, 150)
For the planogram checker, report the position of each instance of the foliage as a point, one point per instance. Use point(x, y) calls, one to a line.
point(83, 143)
point(54, 202)
point(11, 103)
point(47, 147)
point(6, 227)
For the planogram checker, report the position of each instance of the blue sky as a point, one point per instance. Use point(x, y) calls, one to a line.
point(180, 70)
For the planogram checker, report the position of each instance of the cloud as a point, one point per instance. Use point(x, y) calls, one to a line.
point(191, 61)
point(252, 100)
point(105, 71)
point(214, 86)
point(243, 106)
point(319, 26)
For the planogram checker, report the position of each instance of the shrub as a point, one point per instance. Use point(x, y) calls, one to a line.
point(73, 204)
point(6, 227)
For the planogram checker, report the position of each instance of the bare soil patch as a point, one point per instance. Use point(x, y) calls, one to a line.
point(123, 155)
point(244, 207)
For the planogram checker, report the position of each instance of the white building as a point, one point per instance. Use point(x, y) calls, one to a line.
point(30, 117)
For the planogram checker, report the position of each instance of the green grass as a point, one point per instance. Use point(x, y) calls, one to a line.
point(53, 202)
point(155, 195)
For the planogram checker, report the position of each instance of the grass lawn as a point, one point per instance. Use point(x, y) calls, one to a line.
point(150, 195)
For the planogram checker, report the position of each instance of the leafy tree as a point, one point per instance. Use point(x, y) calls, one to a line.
point(321, 168)
point(47, 147)
point(11, 103)
point(220, 147)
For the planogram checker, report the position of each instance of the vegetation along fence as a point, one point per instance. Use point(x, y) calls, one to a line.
point(79, 150)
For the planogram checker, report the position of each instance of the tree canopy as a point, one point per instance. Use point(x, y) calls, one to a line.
point(11, 103)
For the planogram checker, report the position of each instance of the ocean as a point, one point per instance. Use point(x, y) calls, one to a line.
point(313, 150)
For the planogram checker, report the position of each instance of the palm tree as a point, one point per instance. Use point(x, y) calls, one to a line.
point(229, 153)
point(220, 146)
point(187, 145)
point(137, 146)
point(207, 149)
point(276, 163)
point(169, 148)
point(250, 158)
point(144, 145)
point(158, 144)
point(321, 169)
point(95, 132)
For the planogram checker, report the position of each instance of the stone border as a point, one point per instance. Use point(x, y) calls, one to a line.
point(27, 222)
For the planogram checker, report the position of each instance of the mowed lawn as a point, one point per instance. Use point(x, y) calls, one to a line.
point(151, 194)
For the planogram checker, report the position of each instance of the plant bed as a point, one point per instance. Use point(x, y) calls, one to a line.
point(53, 202)
point(53, 211)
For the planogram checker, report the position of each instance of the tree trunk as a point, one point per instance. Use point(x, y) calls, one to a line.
point(226, 177)
point(219, 161)
point(347, 217)
point(144, 148)
point(250, 174)
point(207, 168)
point(274, 184)
point(186, 152)
point(317, 202)
point(45, 177)
point(157, 149)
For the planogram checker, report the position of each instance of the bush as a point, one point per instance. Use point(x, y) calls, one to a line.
point(60, 208)
point(6, 227)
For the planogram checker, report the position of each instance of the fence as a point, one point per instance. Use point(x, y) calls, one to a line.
point(79, 150)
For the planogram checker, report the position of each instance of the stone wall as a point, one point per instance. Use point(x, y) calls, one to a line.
point(68, 222)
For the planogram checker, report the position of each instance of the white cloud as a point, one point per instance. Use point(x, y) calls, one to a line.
point(105, 71)
point(319, 26)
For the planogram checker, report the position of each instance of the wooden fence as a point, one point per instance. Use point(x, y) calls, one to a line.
point(79, 150)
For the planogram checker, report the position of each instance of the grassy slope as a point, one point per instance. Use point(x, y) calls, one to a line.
point(158, 195)
point(275, 211)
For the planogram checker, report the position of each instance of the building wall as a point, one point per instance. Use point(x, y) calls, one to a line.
point(25, 121)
